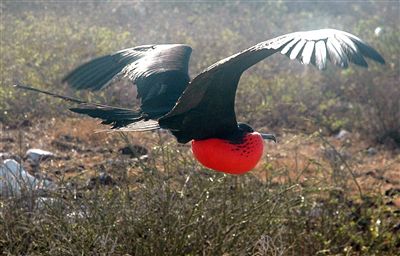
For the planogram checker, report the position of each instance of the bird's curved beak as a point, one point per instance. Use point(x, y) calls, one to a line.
point(267, 136)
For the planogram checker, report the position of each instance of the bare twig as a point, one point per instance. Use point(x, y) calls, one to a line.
point(341, 158)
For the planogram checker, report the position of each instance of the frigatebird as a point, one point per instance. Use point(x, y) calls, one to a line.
point(202, 110)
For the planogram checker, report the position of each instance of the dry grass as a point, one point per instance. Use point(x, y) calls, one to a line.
point(292, 203)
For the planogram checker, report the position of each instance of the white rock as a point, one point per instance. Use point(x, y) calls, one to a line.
point(343, 134)
point(14, 179)
point(4, 155)
point(372, 151)
point(35, 155)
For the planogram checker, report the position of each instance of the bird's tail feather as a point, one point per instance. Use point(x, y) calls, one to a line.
point(118, 118)
point(70, 99)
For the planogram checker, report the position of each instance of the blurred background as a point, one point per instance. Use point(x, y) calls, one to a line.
point(330, 186)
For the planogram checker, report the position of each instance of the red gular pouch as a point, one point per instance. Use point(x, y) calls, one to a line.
point(224, 156)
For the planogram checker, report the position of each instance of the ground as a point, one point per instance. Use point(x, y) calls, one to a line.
point(83, 147)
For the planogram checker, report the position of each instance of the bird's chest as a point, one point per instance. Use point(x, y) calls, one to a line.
point(221, 155)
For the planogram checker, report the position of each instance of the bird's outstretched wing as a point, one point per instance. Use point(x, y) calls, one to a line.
point(206, 107)
point(160, 73)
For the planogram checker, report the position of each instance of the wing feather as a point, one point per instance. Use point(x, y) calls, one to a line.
point(214, 89)
point(336, 53)
point(88, 75)
point(160, 73)
point(364, 49)
point(351, 50)
point(320, 55)
point(140, 126)
point(308, 52)
point(297, 49)
point(289, 46)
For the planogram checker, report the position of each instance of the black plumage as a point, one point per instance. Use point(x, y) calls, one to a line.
point(160, 73)
point(203, 107)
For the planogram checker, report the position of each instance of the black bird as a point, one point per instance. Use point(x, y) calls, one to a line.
point(202, 109)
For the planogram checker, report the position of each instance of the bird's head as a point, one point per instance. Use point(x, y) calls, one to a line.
point(245, 128)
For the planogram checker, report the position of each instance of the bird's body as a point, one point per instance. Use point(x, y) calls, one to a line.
point(202, 109)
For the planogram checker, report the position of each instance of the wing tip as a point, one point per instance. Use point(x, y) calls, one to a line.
point(337, 45)
point(380, 59)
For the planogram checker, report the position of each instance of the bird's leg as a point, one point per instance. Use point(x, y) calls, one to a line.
point(267, 136)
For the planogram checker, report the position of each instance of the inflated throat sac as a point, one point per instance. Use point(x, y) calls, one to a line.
point(224, 156)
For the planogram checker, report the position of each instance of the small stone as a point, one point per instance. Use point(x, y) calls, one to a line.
point(35, 155)
point(372, 151)
point(343, 134)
